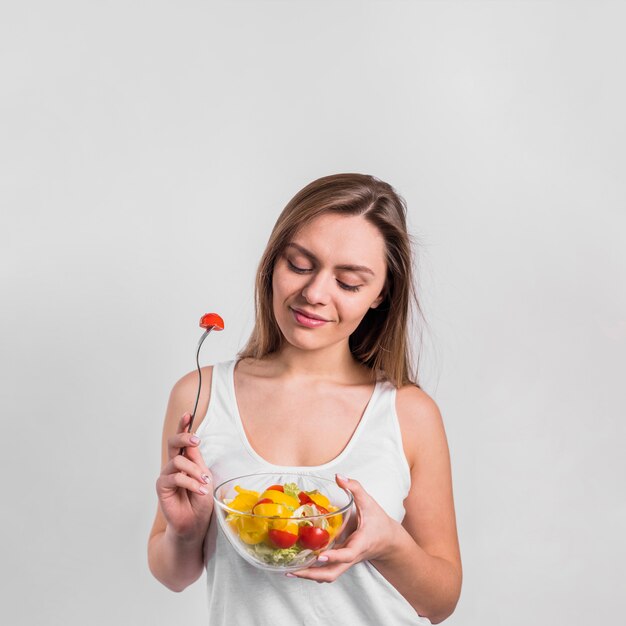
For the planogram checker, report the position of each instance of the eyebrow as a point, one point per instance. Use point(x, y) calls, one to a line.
point(350, 268)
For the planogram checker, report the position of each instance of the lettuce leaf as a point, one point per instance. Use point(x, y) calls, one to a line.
point(292, 489)
point(282, 556)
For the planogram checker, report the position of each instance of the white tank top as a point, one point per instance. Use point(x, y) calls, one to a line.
point(240, 594)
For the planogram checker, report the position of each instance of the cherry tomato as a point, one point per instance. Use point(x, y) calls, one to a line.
point(304, 498)
point(212, 319)
point(321, 509)
point(282, 539)
point(313, 538)
point(276, 488)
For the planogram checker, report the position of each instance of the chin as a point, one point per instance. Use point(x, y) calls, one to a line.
point(303, 339)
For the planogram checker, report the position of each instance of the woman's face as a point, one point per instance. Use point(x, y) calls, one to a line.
point(335, 269)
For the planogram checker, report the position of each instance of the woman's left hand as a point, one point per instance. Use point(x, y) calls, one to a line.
point(371, 539)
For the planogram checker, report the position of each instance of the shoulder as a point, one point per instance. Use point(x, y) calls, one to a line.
point(189, 382)
point(420, 421)
point(185, 390)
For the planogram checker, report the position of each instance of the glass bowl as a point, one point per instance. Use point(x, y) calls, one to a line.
point(281, 531)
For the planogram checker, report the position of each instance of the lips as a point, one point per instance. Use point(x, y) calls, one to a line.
point(309, 315)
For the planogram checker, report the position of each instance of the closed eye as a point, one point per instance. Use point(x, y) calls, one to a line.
point(303, 270)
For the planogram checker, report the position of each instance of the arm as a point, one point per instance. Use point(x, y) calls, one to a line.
point(423, 561)
point(175, 555)
point(175, 561)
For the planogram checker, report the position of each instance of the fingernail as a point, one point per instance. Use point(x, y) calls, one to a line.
point(290, 575)
point(203, 490)
point(322, 558)
point(195, 439)
point(205, 478)
point(341, 477)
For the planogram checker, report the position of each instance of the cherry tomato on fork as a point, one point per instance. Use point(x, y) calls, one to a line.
point(212, 319)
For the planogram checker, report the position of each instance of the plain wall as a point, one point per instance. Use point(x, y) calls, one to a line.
point(146, 150)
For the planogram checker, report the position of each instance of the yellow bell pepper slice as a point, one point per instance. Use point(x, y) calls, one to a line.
point(279, 512)
point(334, 521)
point(241, 490)
point(270, 510)
point(252, 538)
point(318, 498)
point(252, 530)
point(281, 498)
point(281, 524)
point(243, 503)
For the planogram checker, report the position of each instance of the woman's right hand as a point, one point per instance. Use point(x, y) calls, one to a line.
point(185, 497)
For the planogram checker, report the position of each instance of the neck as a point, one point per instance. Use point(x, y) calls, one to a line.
point(334, 363)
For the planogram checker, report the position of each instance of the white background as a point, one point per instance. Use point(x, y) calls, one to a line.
point(146, 150)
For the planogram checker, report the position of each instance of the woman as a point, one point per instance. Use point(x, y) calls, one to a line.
point(323, 385)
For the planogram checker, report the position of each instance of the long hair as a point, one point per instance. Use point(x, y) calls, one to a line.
point(381, 341)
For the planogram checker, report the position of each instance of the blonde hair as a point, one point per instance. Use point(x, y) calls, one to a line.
point(380, 342)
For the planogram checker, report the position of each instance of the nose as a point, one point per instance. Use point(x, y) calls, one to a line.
point(316, 290)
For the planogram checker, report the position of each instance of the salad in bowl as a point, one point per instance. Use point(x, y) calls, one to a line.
point(281, 522)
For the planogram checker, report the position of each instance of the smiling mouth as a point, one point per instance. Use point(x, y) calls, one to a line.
point(304, 320)
point(309, 315)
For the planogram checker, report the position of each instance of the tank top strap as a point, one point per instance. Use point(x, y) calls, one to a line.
point(219, 408)
point(220, 383)
point(377, 457)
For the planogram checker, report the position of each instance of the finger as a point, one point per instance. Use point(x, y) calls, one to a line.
point(181, 440)
point(351, 525)
point(178, 480)
point(349, 554)
point(324, 574)
point(344, 536)
point(183, 422)
point(362, 499)
point(183, 464)
point(194, 454)
point(195, 467)
point(191, 443)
